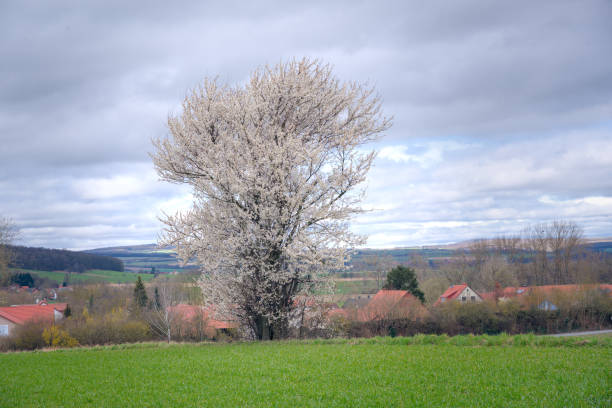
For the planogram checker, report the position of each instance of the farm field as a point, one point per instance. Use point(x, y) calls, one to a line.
point(353, 287)
point(142, 258)
point(91, 276)
point(337, 373)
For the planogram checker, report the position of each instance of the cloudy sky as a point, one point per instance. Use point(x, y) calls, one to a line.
point(502, 110)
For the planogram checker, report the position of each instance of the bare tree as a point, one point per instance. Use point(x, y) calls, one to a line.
point(274, 165)
point(434, 287)
point(480, 249)
point(536, 243)
point(496, 270)
point(380, 265)
point(564, 238)
point(163, 316)
point(8, 233)
point(509, 247)
point(552, 246)
point(421, 266)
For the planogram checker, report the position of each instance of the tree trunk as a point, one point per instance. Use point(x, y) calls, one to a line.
point(263, 330)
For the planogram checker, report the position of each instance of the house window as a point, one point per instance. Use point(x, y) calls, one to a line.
point(3, 330)
point(473, 298)
point(463, 298)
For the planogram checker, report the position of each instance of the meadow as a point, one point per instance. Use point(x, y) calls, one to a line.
point(351, 287)
point(521, 371)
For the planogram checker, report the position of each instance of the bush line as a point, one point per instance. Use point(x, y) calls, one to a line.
point(468, 340)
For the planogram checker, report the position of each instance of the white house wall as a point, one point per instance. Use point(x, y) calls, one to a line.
point(6, 327)
point(468, 293)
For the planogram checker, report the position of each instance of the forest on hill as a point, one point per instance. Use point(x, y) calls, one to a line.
point(45, 259)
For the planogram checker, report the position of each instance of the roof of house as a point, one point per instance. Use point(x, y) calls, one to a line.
point(508, 292)
point(512, 291)
point(571, 288)
point(451, 293)
point(386, 297)
point(389, 301)
point(189, 312)
point(21, 314)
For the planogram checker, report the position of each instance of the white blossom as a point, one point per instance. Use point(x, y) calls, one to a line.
point(275, 167)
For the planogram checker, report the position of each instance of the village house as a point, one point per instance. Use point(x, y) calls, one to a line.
point(393, 304)
point(461, 293)
point(207, 316)
point(17, 315)
point(386, 304)
point(546, 297)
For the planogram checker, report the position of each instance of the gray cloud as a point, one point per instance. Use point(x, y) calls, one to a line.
point(523, 92)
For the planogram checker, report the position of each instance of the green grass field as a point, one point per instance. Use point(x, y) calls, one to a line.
point(356, 287)
point(91, 276)
point(370, 373)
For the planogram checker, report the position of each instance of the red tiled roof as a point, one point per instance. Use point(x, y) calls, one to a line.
point(387, 298)
point(451, 293)
point(511, 291)
point(568, 288)
point(508, 292)
point(189, 312)
point(387, 302)
point(24, 313)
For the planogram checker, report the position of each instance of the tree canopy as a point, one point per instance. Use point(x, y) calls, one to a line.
point(274, 165)
point(404, 278)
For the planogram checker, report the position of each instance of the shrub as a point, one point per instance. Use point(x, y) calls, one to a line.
point(479, 318)
point(111, 328)
point(56, 337)
point(28, 336)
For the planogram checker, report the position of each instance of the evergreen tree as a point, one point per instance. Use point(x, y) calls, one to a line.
point(404, 278)
point(67, 311)
point(140, 294)
point(157, 300)
point(23, 279)
point(66, 281)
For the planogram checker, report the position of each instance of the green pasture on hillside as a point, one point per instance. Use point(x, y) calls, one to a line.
point(355, 287)
point(92, 276)
point(378, 373)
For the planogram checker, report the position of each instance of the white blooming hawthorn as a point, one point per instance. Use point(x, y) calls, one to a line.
point(274, 166)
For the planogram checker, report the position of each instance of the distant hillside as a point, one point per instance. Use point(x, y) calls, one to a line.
point(595, 244)
point(399, 255)
point(45, 259)
point(147, 258)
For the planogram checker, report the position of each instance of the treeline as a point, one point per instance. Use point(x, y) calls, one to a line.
point(45, 259)
point(584, 310)
point(126, 254)
point(545, 254)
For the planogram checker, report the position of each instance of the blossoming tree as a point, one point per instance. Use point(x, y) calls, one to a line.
point(275, 165)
